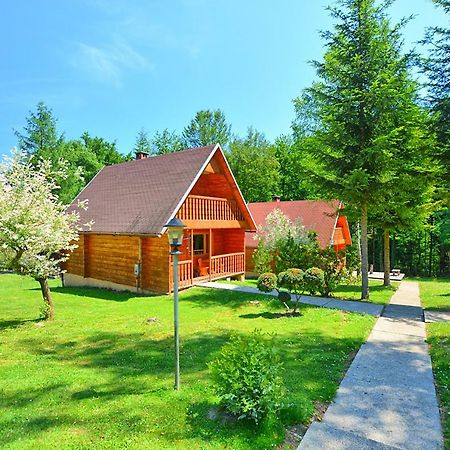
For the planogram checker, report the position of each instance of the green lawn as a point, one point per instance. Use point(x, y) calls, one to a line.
point(378, 293)
point(101, 376)
point(435, 294)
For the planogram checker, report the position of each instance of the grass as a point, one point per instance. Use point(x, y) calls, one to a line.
point(435, 294)
point(378, 293)
point(101, 375)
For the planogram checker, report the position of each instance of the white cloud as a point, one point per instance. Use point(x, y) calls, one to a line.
point(109, 63)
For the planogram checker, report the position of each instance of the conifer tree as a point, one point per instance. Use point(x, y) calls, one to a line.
point(369, 129)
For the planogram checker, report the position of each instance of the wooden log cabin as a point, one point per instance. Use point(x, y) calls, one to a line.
point(127, 246)
point(323, 217)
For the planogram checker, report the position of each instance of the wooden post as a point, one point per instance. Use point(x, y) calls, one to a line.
point(191, 250)
point(210, 252)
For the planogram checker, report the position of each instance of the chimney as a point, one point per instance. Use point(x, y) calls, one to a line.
point(276, 198)
point(141, 155)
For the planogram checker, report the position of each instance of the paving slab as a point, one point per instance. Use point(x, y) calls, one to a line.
point(326, 436)
point(358, 307)
point(387, 396)
point(343, 305)
point(436, 316)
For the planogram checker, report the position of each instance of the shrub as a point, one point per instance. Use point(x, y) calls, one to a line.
point(262, 259)
point(267, 282)
point(247, 377)
point(313, 280)
point(292, 280)
point(333, 265)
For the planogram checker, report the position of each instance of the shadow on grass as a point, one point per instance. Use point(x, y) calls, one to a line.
point(207, 297)
point(102, 294)
point(5, 324)
point(271, 315)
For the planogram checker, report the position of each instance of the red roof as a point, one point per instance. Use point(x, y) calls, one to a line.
point(316, 215)
point(141, 196)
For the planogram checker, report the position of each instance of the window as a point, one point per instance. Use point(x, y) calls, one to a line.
point(199, 244)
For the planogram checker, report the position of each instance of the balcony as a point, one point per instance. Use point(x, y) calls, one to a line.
point(213, 212)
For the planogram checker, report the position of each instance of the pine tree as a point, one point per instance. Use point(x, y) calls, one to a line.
point(39, 137)
point(207, 128)
point(437, 68)
point(364, 108)
point(142, 144)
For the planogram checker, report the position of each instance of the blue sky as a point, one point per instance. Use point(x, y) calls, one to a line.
point(111, 67)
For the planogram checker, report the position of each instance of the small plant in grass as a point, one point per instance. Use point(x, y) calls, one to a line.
point(247, 377)
point(292, 280)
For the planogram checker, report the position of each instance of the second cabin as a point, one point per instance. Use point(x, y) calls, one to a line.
point(127, 246)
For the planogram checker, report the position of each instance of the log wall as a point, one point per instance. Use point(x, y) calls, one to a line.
point(155, 264)
point(111, 258)
point(75, 263)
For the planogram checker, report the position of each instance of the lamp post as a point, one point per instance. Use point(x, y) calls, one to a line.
point(175, 231)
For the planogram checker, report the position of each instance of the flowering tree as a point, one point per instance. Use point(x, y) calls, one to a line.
point(36, 234)
point(278, 227)
point(282, 244)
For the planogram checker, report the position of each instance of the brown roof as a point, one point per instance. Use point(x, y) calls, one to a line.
point(317, 215)
point(141, 196)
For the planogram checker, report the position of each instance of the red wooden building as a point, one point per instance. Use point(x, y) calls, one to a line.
point(321, 216)
point(127, 246)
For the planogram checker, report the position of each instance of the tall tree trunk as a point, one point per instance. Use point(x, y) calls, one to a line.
point(47, 298)
point(386, 258)
point(430, 257)
point(364, 255)
point(358, 244)
point(380, 251)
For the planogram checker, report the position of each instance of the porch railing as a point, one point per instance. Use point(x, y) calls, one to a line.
point(197, 207)
point(230, 264)
point(184, 274)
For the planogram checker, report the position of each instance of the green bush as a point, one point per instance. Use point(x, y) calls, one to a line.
point(247, 377)
point(313, 280)
point(292, 280)
point(262, 259)
point(267, 282)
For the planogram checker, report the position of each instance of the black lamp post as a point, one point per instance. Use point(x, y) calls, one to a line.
point(175, 232)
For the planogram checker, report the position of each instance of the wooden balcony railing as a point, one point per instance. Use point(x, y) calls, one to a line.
point(223, 265)
point(197, 207)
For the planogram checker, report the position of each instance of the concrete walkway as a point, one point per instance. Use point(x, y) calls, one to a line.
point(387, 399)
point(436, 316)
point(344, 305)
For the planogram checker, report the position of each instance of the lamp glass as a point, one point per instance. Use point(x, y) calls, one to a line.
point(175, 234)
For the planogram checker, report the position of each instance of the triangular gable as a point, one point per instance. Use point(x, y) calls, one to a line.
point(216, 162)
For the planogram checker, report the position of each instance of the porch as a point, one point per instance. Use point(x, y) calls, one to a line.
point(221, 266)
point(208, 255)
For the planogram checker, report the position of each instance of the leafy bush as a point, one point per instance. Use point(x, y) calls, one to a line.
point(267, 282)
point(262, 259)
point(292, 280)
point(247, 377)
point(313, 280)
point(332, 264)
